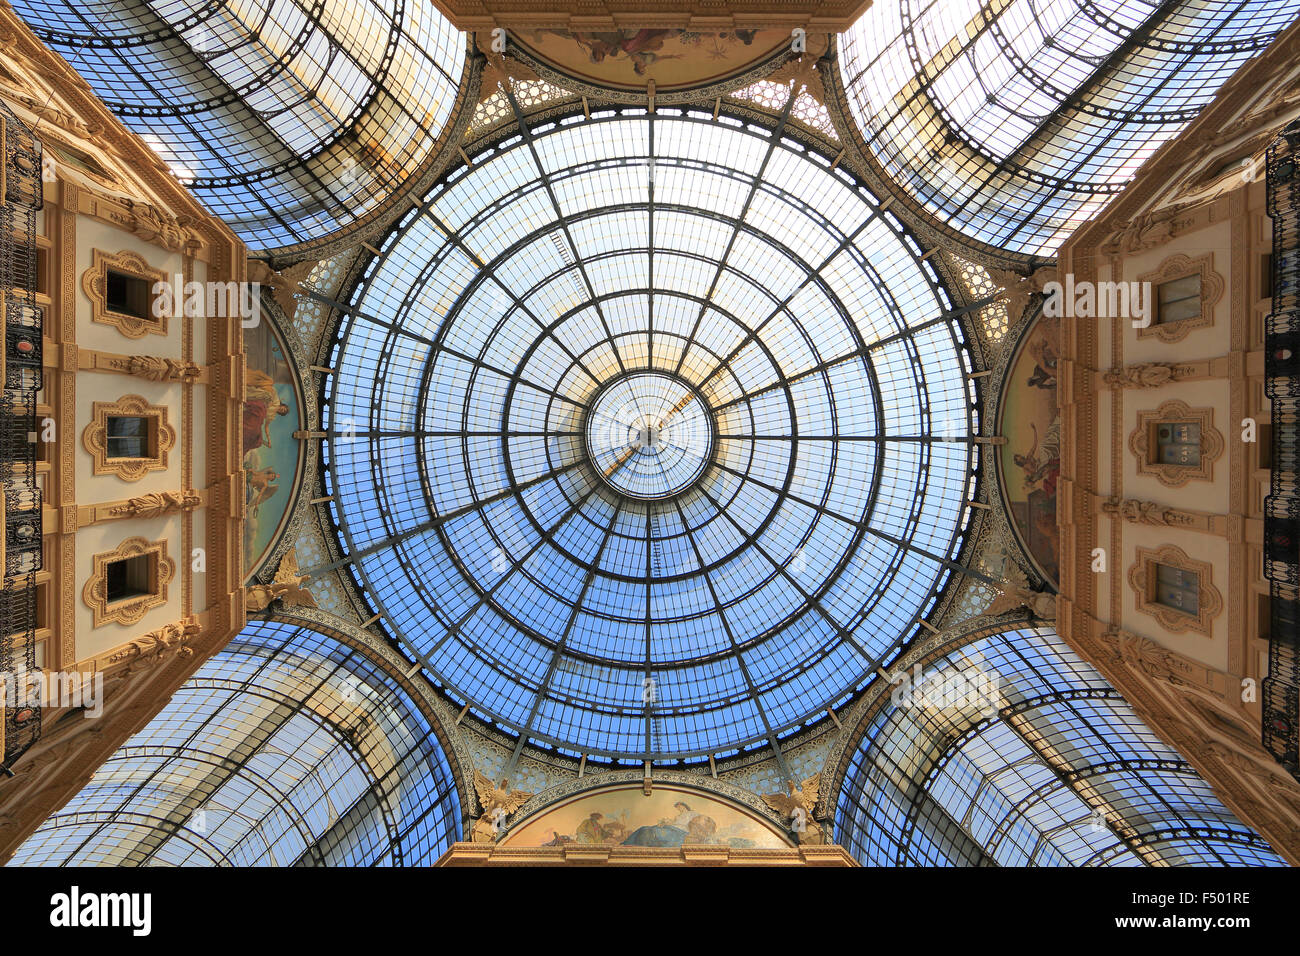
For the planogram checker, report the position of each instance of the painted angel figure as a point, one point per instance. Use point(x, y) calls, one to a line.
point(797, 806)
point(497, 803)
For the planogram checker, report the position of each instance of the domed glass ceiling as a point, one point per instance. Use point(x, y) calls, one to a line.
point(650, 434)
point(1017, 120)
point(289, 119)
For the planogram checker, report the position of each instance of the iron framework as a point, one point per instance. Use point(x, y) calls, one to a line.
point(288, 747)
point(718, 250)
point(1017, 121)
point(1282, 505)
point(291, 120)
point(20, 369)
point(1013, 751)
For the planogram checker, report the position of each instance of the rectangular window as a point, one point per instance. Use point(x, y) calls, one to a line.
point(129, 436)
point(1178, 443)
point(127, 294)
point(1179, 299)
point(129, 577)
point(1178, 589)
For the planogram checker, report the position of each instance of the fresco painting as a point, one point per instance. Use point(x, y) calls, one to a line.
point(625, 816)
point(674, 59)
point(272, 458)
point(1031, 458)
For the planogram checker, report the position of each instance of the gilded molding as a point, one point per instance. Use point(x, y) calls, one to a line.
point(129, 610)
point(1142, 579)
point(1143, 446)
point(94, 282)
point(95, 438)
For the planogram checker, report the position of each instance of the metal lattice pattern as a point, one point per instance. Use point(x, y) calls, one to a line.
point(1282, 506)
point(20, 381)
point(741, 603)
point(1014, 751)
point(286, 748)
point(289, 119)
point(1017, 120)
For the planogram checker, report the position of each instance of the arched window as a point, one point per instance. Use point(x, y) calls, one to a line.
point(1017, 120)
point(288, 747)
point(290, 120)
point(1013, 751)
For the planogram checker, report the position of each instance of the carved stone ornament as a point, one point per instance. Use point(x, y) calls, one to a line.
point(94, 282)
point(496, 803)
point(1142, 579)
point(1138, 512)
point(796, 807)
point(1180, 267)
point(95, 438)
point(161, 228)
point(1142, 442)
point(1146, 375)
point(128, 610)
point(1144, 232)
point(289, 587)
point(158, 643)
point(159, 369)
point(157, 503)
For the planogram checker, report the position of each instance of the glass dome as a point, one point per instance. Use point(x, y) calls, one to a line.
point(1017, 121)
point(290, 120)
point(650, 434)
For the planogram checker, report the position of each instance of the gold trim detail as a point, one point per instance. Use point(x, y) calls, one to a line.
point(1142, 578)
point(94, 283)
point(129, 610)
point(1142, 444)
point(1180, 267)
point(95, 438)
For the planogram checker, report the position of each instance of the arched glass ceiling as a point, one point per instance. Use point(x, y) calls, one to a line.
point(286, 748)
point(290, 119)
point(614, 603)
point(1013, 751)
point(1017, 120)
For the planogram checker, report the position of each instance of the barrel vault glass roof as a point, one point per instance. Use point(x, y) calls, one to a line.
point(1041, 763)
point(290, 119)
point(1017, 120)
point(779, 296)
point(286, 748)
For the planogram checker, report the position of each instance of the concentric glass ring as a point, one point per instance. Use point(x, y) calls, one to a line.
point(649, 435)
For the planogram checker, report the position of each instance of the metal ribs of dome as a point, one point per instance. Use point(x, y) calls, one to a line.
point(289, 119)
point(1015, 122)
point(1017, 752)
point(806, 320)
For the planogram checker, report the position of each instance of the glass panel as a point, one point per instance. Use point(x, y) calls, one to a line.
point(1037, 762)
point(1018, 120)
point(289, 119)
point(1179, 299)
point(1178, 443)
point(702, 585)
point(286, 748)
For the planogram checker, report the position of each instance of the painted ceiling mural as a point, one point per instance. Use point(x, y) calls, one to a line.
point(1031, 458)
point(273, 459)
point(625, 816)
point(674, 59)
